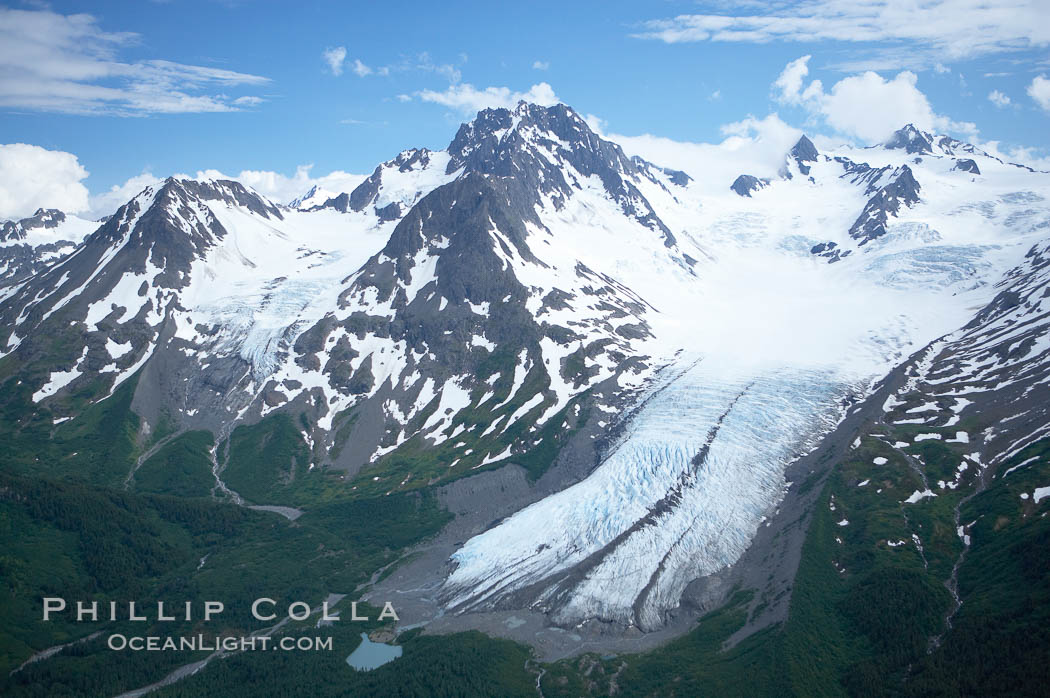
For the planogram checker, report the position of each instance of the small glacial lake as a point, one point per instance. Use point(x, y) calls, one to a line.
point(370, 655)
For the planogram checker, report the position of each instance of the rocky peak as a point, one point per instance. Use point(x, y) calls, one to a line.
point(43, 218)
point(902, 190)
point(229, 191)
point(489, 144)
point(745, 184)
point(413, 160)
point(804, 150)
point(542, 152)
point(911, 140)
point(310, 199)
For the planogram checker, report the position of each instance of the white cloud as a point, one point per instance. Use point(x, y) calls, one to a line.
point(67, 63)
point(282, 188)
point(248, 101)
point(108, 202)
point(360, 69)
point(865, 106)
point(276, 186)
point(1033, 157)
point(872, 108)
point(360, 122)
point(751, 146)
point(596, 123)
point(789, 83)
point(937, 29)
point(998, 99)
point(32, 177)
point(334, 57)
point(941, 69)
point(1039, 90)
point(541, 65)
point(425, 64)
point(715, 96)
point(467, 98)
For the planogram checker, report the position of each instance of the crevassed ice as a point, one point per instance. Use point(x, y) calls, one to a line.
point(254, 325)
point(652, 518)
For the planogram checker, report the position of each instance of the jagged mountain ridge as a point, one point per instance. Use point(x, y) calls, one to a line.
point(458, 303)
point(163, 234)
point(30, 244)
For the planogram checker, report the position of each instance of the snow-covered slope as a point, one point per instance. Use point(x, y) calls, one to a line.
point(30, 244)
point(776, 338)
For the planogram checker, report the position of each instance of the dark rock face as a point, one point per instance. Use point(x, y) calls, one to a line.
point(163, 226)
point(887, 188)
point(340, 203)
point(19, 260)
point(43, 218)
point(887, 201)
point(677, 176)
point(231, 192)
point(745, 184)
point(967, 165)
point(390, 212)
point(802, 152)
point(912, 140)
point(805, 151)
point(505, 145)
point(831, 251)
point(368, 191)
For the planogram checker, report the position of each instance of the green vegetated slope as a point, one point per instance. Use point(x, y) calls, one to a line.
point(465, 664)
point(869, 613)
point(868, 610)
point(99, 446)
point(82, 542)
point(180, 467)
point(866, 618)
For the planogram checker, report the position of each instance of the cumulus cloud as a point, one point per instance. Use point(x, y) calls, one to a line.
point(1032, 157)
point(998, 99)
point(109, 201)
point(466, 98)
point(541, 65)
point(753, 146)
point(789, 83)
point(67, 63)
point(248, 101)
point(334, 57)
point(1039, 90)
point(867, 106)
point(360, 69)
point(337, 61)
point(283, 188)
point(32, 177)
point(276, 186)
point(933, 31)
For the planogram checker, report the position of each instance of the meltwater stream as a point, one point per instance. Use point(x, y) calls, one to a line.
point(680, 496)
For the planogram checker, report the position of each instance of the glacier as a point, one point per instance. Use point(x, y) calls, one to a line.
point(699, 465)
point(762, 349)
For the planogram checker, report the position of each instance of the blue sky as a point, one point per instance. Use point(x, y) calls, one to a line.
point(133, 90)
